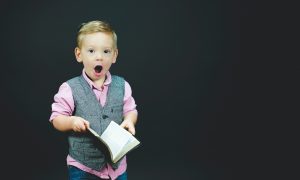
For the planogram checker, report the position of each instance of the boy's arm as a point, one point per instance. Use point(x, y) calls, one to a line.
point(129, 110)
point(129, 121)
point(62, 109)
point(67, 123)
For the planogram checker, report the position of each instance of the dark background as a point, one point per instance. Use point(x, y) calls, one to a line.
point(205, 76)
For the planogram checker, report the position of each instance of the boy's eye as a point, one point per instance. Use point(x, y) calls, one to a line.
point(91, 51)
point(107, 51)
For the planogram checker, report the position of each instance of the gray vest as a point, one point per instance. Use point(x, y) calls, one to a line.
point(83, 146)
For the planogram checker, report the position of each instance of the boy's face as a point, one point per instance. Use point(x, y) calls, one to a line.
point(97, 49)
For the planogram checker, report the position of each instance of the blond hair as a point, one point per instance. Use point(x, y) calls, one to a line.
point(94, 27)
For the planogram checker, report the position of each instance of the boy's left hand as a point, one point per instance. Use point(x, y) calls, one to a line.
point(129, 126)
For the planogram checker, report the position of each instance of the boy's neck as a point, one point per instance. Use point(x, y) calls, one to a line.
point(99, 83)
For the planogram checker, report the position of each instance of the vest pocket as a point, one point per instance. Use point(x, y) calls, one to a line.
point(115, 113)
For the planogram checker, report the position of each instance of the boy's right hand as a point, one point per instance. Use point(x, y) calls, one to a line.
point(79, 124)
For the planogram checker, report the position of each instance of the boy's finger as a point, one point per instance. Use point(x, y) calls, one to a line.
point(83, 127)
point(122, 125)
point(131, 130)
point(86, 123)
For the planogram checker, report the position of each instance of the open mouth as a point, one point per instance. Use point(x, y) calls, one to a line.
point(98, 69)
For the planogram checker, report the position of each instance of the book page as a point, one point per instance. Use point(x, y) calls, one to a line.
point(118, 140)
point(115, 137)
point(132, 142)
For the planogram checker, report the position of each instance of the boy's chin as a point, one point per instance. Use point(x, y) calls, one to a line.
point(94, 76)
point(97, 76)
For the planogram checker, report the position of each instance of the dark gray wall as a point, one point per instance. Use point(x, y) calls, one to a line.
point(183, 60)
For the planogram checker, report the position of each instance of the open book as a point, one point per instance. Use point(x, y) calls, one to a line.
point(117, 139)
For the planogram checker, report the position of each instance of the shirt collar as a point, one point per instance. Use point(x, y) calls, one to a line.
point(92, 84)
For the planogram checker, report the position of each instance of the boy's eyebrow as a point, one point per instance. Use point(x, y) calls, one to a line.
point(105, 47)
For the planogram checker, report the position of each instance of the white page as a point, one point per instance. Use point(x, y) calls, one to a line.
point(132, 142)
point(116, 137)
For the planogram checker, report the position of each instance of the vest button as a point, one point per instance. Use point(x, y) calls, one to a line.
point(104, 116)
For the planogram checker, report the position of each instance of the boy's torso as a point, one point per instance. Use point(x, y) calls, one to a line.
point(82, 148)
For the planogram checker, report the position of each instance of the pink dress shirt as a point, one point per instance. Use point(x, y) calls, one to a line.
point(64, 105)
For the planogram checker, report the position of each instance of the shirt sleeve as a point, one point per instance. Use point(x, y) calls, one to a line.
point(129, 102)
point(63, 102)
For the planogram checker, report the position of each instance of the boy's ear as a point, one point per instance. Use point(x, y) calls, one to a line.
point(115, 55)
point(78, 54)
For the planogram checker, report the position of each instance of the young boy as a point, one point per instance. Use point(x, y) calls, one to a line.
point(93, 100)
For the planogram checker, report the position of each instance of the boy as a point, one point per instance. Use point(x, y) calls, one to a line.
point(93, 100)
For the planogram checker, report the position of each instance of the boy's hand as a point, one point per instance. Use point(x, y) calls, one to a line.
point(79, 124)
point(129, 126)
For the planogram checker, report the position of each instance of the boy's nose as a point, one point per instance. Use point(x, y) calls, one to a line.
point(99, 57)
